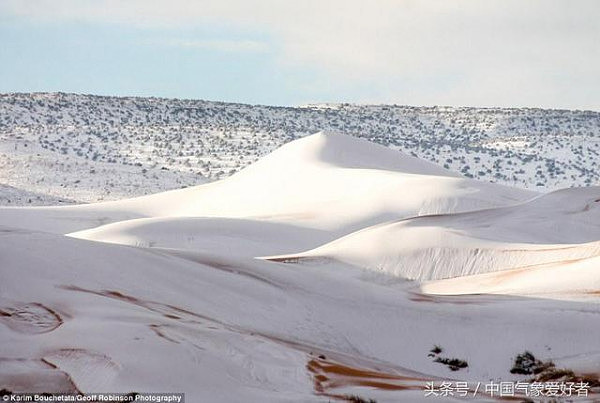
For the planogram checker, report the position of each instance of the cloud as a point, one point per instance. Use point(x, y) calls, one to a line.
point(220, 45)
point(493, 52)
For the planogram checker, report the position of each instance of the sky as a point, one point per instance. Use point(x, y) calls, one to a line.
point(490, 53)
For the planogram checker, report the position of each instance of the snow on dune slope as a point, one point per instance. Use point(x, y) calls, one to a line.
point(326, 181)
point(336, 149)
point(563, 216)
point(578, 278)
point(107, 317)
point(560, 226)
point(232, 236)
point(125, 317)
point(332, 181)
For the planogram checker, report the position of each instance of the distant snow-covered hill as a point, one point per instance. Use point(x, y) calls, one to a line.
point(81, 148)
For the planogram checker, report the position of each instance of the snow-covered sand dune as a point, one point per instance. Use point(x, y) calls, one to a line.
point(567, 278)
point(164, 292)
point(231, 236)
point(326, 181)
point(553, 228)
point(130, 315)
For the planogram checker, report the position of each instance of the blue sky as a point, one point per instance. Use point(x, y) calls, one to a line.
point(117, 59)
point(433, 52)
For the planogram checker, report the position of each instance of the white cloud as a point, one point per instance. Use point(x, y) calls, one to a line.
point(221, 45)
point(492, 52)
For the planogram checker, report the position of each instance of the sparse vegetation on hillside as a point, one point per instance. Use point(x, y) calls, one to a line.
point(130, 146)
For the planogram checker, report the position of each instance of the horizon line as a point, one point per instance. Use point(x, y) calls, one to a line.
point(305, 105)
